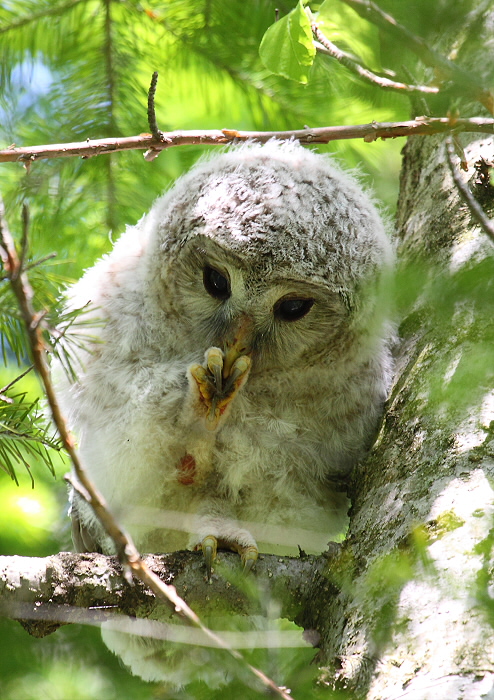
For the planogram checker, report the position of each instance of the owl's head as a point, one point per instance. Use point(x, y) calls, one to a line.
point(276, 241)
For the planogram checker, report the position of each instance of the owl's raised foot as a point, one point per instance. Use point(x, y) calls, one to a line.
point(209, 545)
point(218, 383)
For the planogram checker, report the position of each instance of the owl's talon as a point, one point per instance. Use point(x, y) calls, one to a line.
point(203, 382)
point(249, 557)
point(209, 546)
point(248, 565)
point(239, 369)
point(215, 366)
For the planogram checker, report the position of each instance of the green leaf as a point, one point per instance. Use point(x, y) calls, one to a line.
point(287, 48)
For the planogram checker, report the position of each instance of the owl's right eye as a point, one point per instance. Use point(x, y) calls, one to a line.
point(215, 283)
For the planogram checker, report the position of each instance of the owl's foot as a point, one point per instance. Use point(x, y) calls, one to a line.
point(209, 545)
point(218, 383)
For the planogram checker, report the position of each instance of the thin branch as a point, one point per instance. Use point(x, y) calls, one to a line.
point(476, 210)
point(128, 554)
point(24, 239)
point(42, 260)
point(108, 51)
point(324, 45)
point(153, 125)
point(425, 126)
point(448, 69)
point(8, 386)
point(157, 134)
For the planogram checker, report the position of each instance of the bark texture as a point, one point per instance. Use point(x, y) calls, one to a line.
point(415, 609)
point(415, 612)
point(90, 588)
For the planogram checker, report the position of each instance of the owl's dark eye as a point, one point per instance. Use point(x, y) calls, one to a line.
point(215, 283)
point(292, 309)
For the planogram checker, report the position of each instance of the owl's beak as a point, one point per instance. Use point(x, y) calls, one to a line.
point(238, 343)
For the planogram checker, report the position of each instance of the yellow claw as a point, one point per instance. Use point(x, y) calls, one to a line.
point(249, 557)
point(215, 366)
point(209, 546)
point(203, 381)
point(238, 371)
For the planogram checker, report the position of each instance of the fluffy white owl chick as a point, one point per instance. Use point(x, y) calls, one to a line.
point(240, 358)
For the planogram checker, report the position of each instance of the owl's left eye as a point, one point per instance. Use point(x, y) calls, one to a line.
point(292, 309)
point(215, 283)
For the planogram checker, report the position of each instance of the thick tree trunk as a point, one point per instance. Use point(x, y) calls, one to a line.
point(415, 612)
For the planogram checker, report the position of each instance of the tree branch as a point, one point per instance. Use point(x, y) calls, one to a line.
point(70, 587)
point(153, 125)
point(157, 134)
point(112, 125)
point(327, 47)
point(425, 126)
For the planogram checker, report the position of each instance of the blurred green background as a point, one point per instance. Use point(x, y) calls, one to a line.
point(77, 69)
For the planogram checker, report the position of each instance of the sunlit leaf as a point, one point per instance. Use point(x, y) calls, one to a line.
point(287, 48)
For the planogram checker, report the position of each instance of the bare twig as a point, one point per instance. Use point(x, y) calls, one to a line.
point(427, 126)
point(108, 49)
point(128, 554)
point(327, 47)
point(8, 386)
point(153, 125)
point(485, 223)
point(448, 69)
point(40, 261)
point(157, 134)
point(24, 239)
